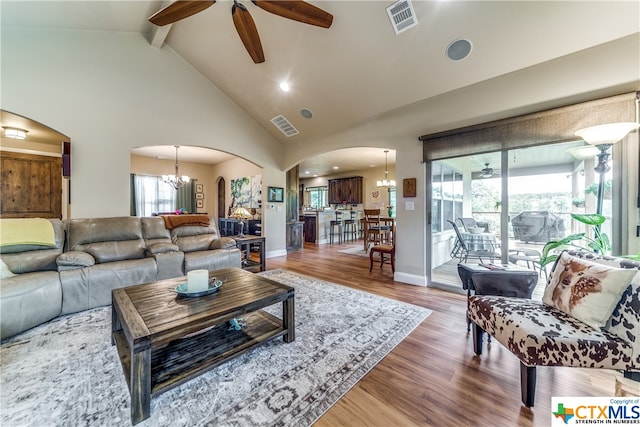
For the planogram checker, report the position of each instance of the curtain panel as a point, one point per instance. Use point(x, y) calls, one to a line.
point(544, 127)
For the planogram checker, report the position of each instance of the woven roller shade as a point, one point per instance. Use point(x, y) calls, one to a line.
point(544, 127)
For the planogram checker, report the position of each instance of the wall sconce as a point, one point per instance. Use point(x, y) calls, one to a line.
point(15, 133)
point(603, 137)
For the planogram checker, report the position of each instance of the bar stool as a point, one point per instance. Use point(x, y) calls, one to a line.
point(350, 227)
point(335, 228)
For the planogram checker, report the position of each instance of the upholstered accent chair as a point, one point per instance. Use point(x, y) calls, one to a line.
point(561, 330)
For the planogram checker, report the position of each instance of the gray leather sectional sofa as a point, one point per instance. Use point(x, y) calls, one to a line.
point(95, 255)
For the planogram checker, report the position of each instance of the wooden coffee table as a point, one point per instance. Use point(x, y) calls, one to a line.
point(164, 340)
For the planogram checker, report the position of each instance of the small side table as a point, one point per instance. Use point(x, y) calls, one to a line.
point(506, 281)
point(244, 244)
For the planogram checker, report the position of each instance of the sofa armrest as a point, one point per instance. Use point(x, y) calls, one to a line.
point(74, 259)
point(161, 248)
point(223, 243)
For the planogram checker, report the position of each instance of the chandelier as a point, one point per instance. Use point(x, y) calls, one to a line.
point(176, 181)
point(386, 182)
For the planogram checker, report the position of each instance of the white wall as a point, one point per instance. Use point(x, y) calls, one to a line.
point(110, 92)
point(605, 70)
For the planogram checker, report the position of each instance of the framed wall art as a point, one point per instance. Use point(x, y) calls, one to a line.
point(409, 187)
point(275, 194)
point(199, 188)
point(199, 203)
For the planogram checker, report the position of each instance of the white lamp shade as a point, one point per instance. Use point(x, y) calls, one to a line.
point(606, 134)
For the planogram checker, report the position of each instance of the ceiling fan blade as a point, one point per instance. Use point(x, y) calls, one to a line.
point(298, 10)
point(247, 31)
point(178, 10)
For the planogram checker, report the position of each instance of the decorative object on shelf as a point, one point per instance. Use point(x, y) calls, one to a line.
point(386, 182)
point(176, 181)
point(241, 214)
point(237, 324)
point(603, 137)
point(275, 194)
point(181, 211)
point(409, 187)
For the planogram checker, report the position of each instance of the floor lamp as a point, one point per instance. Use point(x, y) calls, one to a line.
point(603, 137)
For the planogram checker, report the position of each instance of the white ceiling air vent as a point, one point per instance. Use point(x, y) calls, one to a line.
point(284, 125)
point(402, 16)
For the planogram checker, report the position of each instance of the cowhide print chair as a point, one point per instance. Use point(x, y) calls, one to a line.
point(589, 317)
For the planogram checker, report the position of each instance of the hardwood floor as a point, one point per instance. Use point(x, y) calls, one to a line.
point(433, 377)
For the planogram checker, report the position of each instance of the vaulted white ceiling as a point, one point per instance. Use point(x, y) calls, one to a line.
point(359, 69)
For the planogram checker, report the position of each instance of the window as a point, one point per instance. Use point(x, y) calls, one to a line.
point(447, 196)
point(316, 197)
point(152, 195)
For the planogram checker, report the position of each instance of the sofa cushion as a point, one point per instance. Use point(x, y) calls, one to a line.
point(586, 290)
point(75, 259)
point(107, 239)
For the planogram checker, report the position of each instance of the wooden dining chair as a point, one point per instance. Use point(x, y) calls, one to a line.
point(386, 250)
point(375, 231)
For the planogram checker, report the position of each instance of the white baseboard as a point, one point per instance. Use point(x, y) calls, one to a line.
point(411, 279)
point(274, 254)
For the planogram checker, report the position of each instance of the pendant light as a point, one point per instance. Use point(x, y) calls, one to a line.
point(386, 182)
point(176, 181)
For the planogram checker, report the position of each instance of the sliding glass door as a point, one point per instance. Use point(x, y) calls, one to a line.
point(509, 203)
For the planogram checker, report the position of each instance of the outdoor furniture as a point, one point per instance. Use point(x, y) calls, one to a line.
point(537, 226)
point(470, 224)
point(531, 257)
point(482, 248)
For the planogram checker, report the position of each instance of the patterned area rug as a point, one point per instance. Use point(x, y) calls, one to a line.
point(66, 373)
point(358, 250)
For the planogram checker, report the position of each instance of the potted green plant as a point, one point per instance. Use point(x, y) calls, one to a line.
point(599, 243)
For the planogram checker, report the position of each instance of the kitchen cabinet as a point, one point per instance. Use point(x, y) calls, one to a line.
point(310, 229)
point(349, 190)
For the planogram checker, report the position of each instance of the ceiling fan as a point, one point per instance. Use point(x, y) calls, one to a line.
point(297, 10)
point(488, 172)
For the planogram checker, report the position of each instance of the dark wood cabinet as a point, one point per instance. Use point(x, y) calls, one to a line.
point(310, 229)
point(349, 190)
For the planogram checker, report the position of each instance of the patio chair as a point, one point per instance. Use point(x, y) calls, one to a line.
point(463, 253)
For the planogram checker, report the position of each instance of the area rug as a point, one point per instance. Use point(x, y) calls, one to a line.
point(66, 373)
point(357, 250)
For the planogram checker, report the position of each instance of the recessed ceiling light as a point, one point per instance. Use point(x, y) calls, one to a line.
point(306, 172)
point(306, 113)
point(336, 168)
point(458, 49)
point(284, 86)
